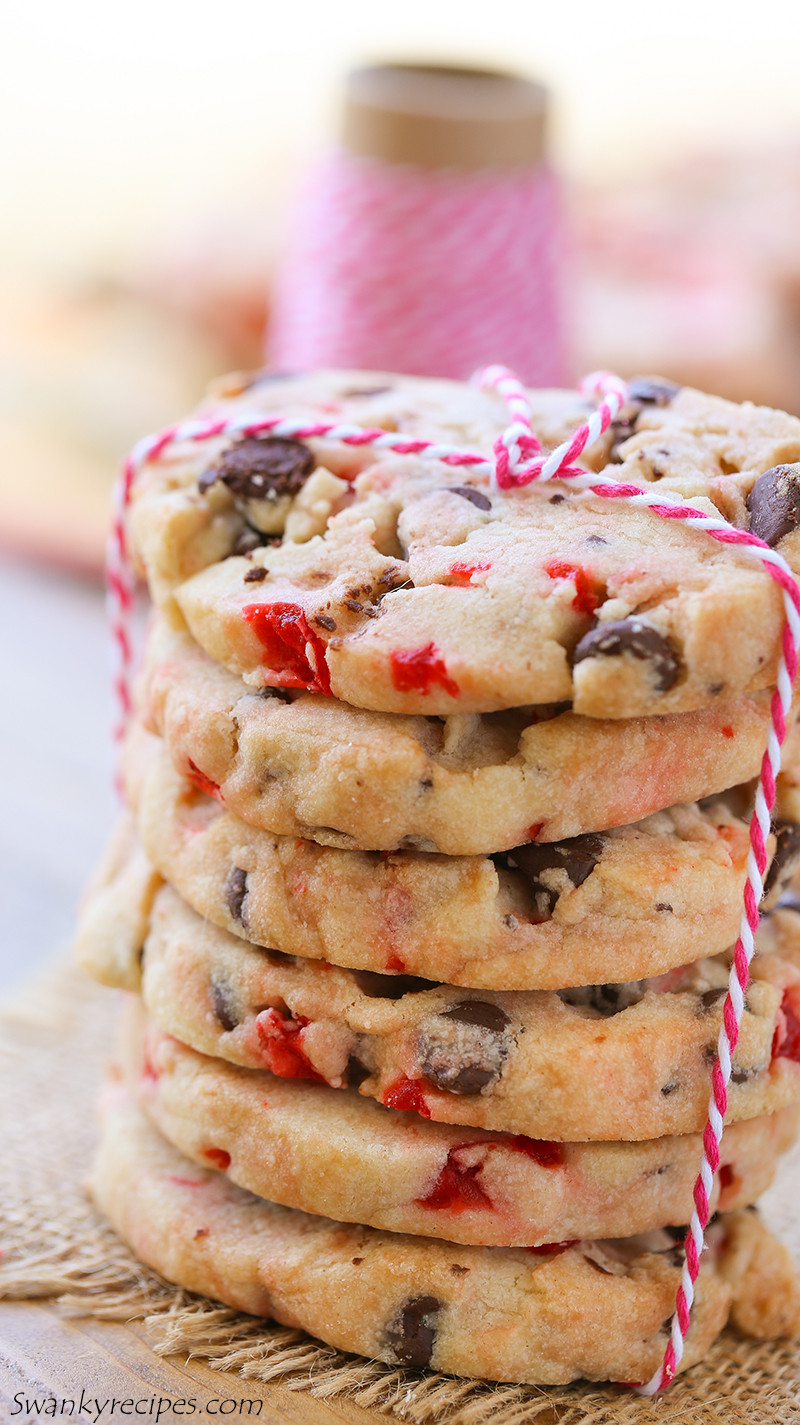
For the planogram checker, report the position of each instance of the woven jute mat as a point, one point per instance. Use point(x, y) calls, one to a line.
point(54, 1043)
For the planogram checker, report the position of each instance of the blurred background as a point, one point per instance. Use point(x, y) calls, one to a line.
point(150, 165)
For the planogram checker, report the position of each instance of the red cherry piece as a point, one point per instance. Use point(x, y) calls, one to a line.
point(461, 573)
point(280, 1040)
point(585, 600)
point(457, 1187)
point(202, 782)
point(396, 965)
point(219, 1157)
point(294, 653)
point(406, 1094)
point(786, 1039)
point(543, 1152)
point(417, 669)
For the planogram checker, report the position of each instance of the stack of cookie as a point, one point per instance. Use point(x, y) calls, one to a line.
point(439, 803)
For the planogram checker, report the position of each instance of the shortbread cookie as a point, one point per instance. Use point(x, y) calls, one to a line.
point(632, 902)
point(315, 768)
point(114, 918)
point(621, 1061)
point(599, 1310)
point(412, 586)
point(306, 1146)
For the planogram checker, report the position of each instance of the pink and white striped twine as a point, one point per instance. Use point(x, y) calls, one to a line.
point(518, 460)
point(393, 267)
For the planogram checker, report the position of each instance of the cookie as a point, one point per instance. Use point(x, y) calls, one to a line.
point(312, 767)
point(633, 902)
point(618, 1061)
point(412, 586)
point(114, 917)
point(598, 1310)
point(340, 1155)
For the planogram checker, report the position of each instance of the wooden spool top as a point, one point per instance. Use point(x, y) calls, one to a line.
point(442, 117)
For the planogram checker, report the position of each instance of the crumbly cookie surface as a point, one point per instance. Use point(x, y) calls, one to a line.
point(412, 586)
point(541, 1063)
point(633, 902)
point(596, 1310)
point(315, 768)
point(305, 1146)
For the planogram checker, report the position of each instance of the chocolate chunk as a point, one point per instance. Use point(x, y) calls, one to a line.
point(222, 1000)
point(325, 621)
point(577, 857)
point(377, 986)
point(236, 892)
point(249, 539)
point(480, 1013)
point(256, 575)
point(463, 1048)
point(652, 393)
point(475, 497)
point(709, 999)
point(355, 1072)
point(262, 468)
point(412, 1333)
point(606, 999)
point(774, 503)
point(640, 640)
point(786, 858)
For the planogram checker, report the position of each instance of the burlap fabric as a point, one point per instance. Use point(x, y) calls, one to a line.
point(53, 1044)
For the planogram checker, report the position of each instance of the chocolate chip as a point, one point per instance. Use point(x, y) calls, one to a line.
point(669, 1088)
point(715, 689)
point(257, 575)
point(356, 1261)
point(262, 468)
point(389, 986)
point(595, 539)
point(365, 391)
point(464, 1047)
point(576, 857)
point(249, 539)
point(475, 497)
point(325, 621)
point(222, 1000)
point(425, 783)
point(412, 1333)
point(640, 640)
point(774, 503)
point(786, 858)
point(709, 999)
point(236, 892)
point(652, 393)
point(741, 1076)
point(458, 1270)
point(355, 1072)
point(606, 999)
point(664, 907)
point(557, 499)
point(480, 1013)
point(353, 605)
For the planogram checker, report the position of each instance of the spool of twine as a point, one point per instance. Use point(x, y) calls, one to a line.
point(431, 240)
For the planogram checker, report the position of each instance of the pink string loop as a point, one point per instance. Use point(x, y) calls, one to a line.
point(518, 460)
